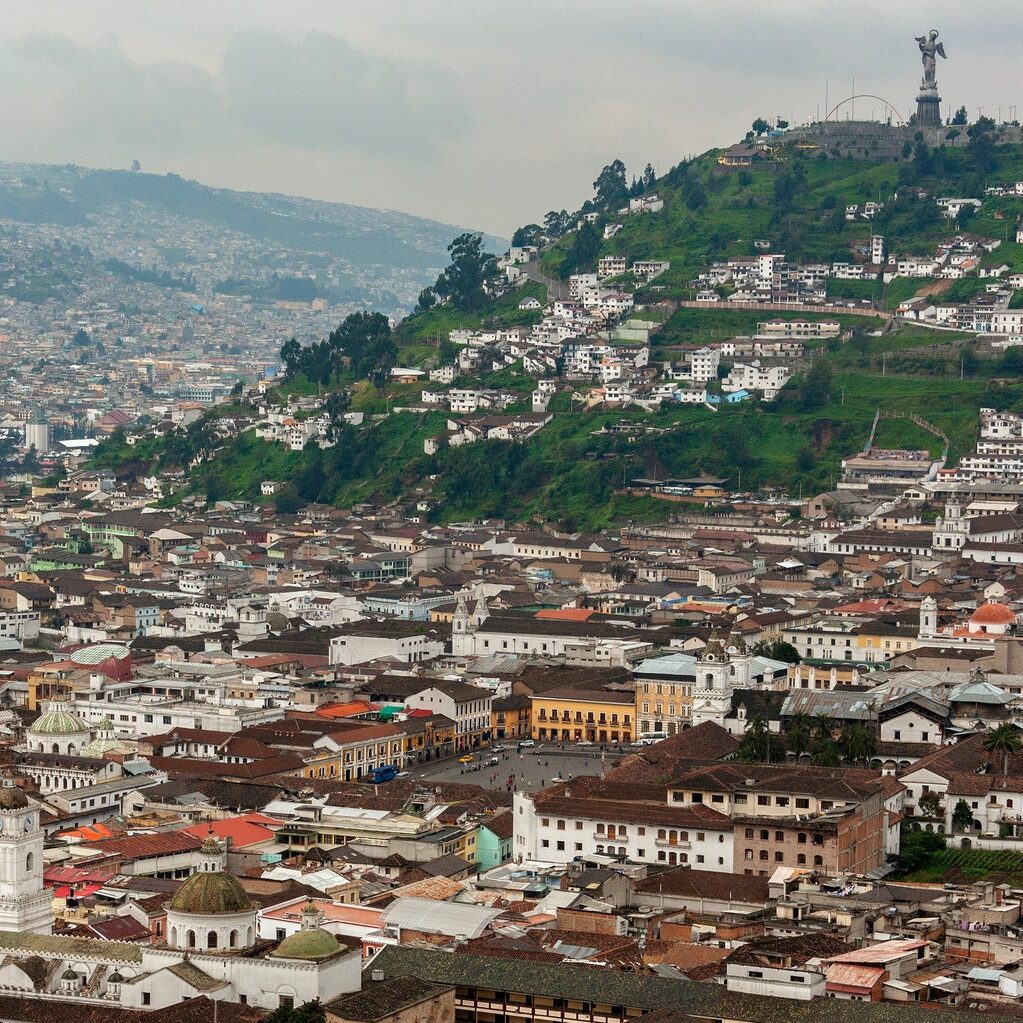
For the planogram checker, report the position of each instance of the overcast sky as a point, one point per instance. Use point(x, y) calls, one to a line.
point(484, 113)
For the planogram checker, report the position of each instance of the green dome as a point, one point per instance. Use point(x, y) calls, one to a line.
point(314, 943)
point(209, 893)
point(58, 720)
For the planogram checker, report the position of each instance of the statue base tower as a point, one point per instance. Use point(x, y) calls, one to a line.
point(928, 109)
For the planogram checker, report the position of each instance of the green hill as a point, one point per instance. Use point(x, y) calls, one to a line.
point(574, 469)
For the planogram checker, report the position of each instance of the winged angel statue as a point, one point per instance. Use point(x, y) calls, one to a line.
point(930, 48)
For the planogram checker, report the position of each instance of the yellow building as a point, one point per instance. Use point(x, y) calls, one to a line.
point(569, 714)
point(510, 717)
point(466, 847)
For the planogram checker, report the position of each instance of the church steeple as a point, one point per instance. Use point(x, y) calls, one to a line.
point(25, 905)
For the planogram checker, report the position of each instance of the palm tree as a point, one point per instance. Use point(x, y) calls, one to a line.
point(825, 753)
point(755, 747)
point(799, 733)
point(860, 743)
point(823, 728)
point(1004, 741)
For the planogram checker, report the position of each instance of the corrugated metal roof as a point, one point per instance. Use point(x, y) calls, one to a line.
point(449, 918)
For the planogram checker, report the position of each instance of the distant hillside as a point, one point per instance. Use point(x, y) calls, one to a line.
point(361, 246)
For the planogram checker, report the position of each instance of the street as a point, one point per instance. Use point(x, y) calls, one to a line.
point(533, 768)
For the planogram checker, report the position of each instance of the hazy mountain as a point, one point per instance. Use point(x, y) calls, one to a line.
point(167, 223)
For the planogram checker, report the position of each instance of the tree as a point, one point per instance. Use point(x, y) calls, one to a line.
point(817, 386)
point(760, 126)
point(462, 281)
point(529, 234)
point(982, 135)
point(781, 123)
point(962, 816)
point(960, 116)
point(335, 407)
point(799, 734)
point(611, 187)
point(758, 745)
point(135, 166)
point(308, 1012)
point(859, 743)
point(825, 753)
point(81, 338)
point(556, 223)
point(426, 301)
point(778, 650)
point(952, 134)
point(585, 246)
point(1003, 741)
point(649, 178)
point(930, 804)
point(365, 339)
point(291, 353)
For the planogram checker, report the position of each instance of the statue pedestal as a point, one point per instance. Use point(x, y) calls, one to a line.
point(928, 108)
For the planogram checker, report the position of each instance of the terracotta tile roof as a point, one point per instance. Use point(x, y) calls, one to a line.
point(706, 884)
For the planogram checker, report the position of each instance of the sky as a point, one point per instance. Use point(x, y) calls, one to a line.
point(481, 113)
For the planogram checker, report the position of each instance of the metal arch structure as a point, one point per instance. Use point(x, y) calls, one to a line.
point(865, 95)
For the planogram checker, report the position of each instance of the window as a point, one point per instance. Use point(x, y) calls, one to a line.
point(749, 833)
point(779, 836)
point(763, 854)
point(763, 800)
point(146, 998)
point(755, 974)
point(287, 1001)
point(778, 857)
point(560, 846)
point(802, 804)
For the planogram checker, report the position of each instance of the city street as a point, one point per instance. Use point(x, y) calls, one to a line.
point(533, 768)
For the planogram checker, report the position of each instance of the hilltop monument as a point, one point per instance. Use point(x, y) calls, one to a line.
point(928, 102)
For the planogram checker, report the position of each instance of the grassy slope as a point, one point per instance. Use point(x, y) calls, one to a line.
point(570, 472)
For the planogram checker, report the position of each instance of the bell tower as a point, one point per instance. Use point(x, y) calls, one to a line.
point(25, 905)
point(712, 691)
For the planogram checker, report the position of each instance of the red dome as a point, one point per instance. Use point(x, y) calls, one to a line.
point(117, 669)
point(992, 614)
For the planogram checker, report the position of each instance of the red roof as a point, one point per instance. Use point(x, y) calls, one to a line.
point(566, 614)
point(346, 710)
point(419, 712)
point(140, 846)
point(992, 614)
point(248, 829)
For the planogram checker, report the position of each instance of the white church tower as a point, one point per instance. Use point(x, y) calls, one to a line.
point(25, 905)
point(712, 691)
point(928, 618)
point(463, 628)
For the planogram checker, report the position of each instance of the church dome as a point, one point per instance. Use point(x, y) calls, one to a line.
point(59, 719)
point(992, 614)
point(314, 943)
point(12, 798)
point(209, 893)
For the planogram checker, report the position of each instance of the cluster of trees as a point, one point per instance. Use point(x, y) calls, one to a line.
point(462, 282)
point(817, 737)
point(611, 189)
point(362, 341)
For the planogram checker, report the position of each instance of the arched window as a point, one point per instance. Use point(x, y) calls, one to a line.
point(29, 860)
point(190, 939)
point(710, 679)
point(233, 941)
point(56, 748)
point(211, 939)
point(174, 937)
